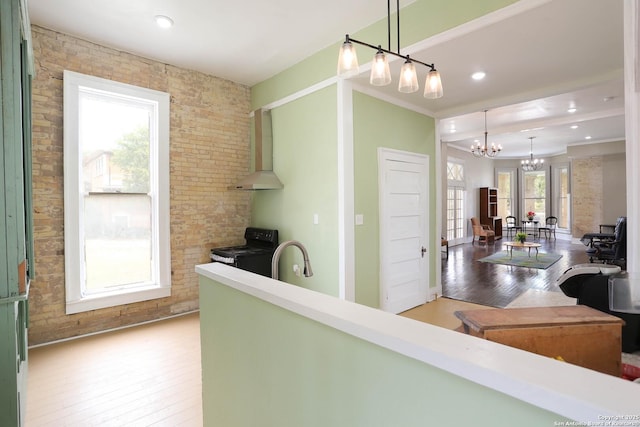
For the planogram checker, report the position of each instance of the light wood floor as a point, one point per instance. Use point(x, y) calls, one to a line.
point(147, 375)
point(440, 312)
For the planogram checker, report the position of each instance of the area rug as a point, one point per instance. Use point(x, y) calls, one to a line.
point(522, 259)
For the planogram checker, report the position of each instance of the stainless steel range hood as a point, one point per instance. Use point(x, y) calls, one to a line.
point(263, 178)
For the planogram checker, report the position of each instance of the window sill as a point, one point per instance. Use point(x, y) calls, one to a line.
point(94, 302)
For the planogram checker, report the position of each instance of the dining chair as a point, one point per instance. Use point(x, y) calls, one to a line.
point(549, 228)
point(512, 226)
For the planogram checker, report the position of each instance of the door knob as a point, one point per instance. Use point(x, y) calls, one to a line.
point(423, 250)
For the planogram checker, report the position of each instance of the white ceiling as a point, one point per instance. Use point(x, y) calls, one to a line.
point(540, 57)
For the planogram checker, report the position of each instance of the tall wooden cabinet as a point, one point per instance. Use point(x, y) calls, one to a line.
point(16, 244)
point(489, 210)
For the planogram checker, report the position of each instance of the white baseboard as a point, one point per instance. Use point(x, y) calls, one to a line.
point(112, 329)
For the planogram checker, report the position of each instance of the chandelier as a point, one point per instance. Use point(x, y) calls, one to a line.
point(380, 74)
point(484, 150)
point(532, 164)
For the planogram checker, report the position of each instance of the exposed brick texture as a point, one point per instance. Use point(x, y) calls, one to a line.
point(209, 151)
point(587, 194)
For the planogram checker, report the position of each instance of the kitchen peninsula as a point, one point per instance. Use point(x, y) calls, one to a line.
point(299, 357)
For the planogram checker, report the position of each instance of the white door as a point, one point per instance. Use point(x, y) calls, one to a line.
point(404, 234)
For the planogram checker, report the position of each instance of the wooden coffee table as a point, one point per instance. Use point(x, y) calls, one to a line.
point(524, 245)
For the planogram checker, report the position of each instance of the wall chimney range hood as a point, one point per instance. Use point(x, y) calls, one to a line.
point(263, 178)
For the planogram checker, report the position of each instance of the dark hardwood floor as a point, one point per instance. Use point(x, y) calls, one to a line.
point(466, 279)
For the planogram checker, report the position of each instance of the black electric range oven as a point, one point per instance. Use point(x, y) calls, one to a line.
point(255, 255)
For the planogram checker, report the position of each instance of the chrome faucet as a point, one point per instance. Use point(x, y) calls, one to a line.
point(276, 257)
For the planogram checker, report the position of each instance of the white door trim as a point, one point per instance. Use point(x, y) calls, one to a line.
point(346, 209)
point(632, 131)
point(439, 176)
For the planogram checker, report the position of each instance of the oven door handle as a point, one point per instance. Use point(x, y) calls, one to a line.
point(222, 259)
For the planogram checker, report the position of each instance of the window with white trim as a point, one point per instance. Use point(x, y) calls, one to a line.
point(534, 193)
point(116, 185)
point(456, 194)
point(505, 179)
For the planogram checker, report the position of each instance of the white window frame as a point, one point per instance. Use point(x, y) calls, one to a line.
point(547, 190)
point(513, 196)
point(459, 188)
point(76, 300)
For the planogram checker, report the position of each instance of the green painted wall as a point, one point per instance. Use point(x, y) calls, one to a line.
point(305, 160)
point(305, 147)
point(379, 124)
point(265, 366)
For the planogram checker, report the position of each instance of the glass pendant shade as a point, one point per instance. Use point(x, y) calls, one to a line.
point(347, 60)
point(380, 73)
point(433, 85)
point(408, 78)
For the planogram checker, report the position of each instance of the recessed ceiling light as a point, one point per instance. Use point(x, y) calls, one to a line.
point(587, 137)
point(531, 129)
point(572, 110)
point(164, 21)
point(479, 75)
point(574, 127)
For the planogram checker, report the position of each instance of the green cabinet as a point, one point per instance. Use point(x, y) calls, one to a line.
point(16, 222)
point(13, 362)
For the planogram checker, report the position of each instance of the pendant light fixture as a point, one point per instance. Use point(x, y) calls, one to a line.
point(380, 74)
point(483, 150)
point(532, 164)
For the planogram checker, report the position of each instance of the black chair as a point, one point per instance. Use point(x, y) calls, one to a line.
point(511, 226)
point(549, 228)
point(593, 290)
point(614, 251)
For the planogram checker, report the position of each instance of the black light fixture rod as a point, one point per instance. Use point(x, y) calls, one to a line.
point(398, 22)
point(485, 130)
point(389, 25)
point(390, 52)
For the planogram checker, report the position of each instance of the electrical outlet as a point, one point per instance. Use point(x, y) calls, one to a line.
point(296, 269)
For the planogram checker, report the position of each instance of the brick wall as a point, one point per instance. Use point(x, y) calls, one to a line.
point(587, 194)
point(209, 151)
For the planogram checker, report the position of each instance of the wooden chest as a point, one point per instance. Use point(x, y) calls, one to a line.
point(578, 334)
